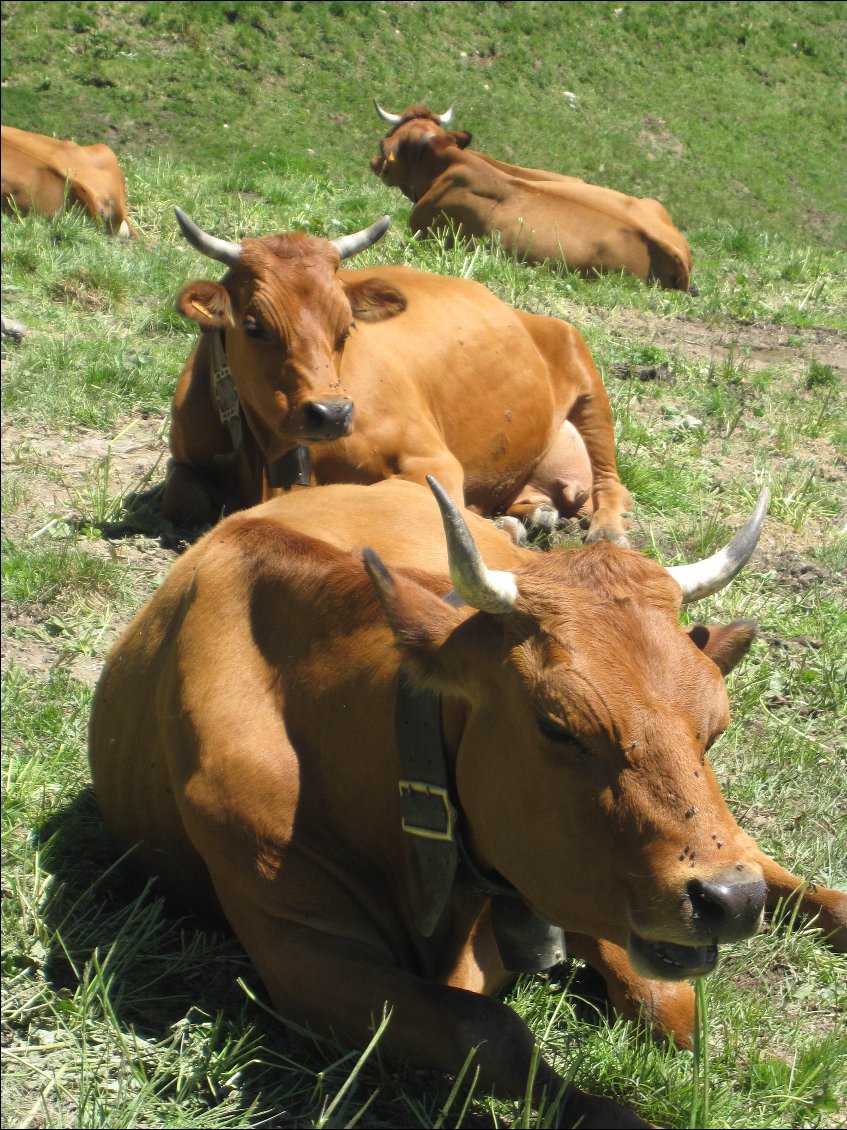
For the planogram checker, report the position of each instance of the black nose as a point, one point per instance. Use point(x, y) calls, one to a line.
point(728, 907)
point(328, 419)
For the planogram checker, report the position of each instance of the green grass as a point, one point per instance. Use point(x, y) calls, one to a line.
point(721, 110)
point(115, 1011)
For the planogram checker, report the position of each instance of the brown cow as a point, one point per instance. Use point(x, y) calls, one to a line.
point(445, 379)
point(390, 796)
point(538, 215)
point(43, 174)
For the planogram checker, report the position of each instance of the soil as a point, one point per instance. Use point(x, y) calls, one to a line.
point(54, 471)
point(758, 344)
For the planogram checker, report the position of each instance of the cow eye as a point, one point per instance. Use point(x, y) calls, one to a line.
point(254, 328)
point(556, 733)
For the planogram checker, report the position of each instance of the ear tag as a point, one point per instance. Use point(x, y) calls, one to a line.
point(199, 306)
point(391, 158)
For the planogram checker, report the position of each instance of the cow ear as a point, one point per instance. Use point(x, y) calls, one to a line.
point(461, 137)
point(206, 303)
point(375, 300)
point(725, 644)
point(421, 622)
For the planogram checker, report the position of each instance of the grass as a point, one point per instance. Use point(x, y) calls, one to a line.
point(118, 1013)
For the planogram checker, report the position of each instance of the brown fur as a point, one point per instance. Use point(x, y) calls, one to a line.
point(41, 173)
point(505, 408)
point(242, 735)
point(538, 215)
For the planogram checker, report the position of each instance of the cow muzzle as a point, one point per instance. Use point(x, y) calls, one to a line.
point(329, 419)
point(725, 908)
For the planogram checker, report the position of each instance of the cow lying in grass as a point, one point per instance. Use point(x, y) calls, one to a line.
point(392, 795)
point(43, 174)
point(380, 372)
point(538, 215)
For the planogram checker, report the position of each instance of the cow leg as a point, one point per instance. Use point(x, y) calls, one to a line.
point(334, 984)
point(441, 465)
point(560, 485)
point(667, 1006)
point(592, 418)
point(190, 498)
point(581, 386)
point(198, 495)
point(827, 907)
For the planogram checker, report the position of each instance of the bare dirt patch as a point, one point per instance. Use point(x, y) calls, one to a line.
point(56, 483)
point(657, 139)
point(759, 344)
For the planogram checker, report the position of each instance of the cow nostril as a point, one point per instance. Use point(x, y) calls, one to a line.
point(317, 413)
point(706, 904)
point(328, 417)
point(725, 908)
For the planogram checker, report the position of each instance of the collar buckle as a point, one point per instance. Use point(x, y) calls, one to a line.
point(422, 818)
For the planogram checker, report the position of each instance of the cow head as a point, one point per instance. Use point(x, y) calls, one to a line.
point(580, 714)
point(287, 314)
point(415, 133)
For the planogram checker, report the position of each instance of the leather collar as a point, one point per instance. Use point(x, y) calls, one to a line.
point(292, 469)
point(432, 815)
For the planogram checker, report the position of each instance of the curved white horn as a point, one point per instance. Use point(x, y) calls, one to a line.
point(702, 578)
point(392, 119)
point(486, 589)
point(447, 117)
point(220, 249)
point(349, 245)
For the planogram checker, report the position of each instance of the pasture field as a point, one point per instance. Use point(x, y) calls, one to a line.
point(257, 118)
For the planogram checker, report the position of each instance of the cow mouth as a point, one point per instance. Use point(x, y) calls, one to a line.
point(327, 435)
point(669, 961)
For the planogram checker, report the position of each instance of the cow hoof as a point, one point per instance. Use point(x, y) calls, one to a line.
point(14, 331)
point(513, 528)
point(544, 517)
point(590, 1112)
point(607, 535)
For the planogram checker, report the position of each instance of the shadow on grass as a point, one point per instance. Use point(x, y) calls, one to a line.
point(140, 515)
point(125, 951)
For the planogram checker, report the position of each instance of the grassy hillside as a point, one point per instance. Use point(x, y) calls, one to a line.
point(257, 118)
point(723, 110)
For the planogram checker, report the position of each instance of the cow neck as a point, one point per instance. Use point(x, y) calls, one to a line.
point(292, 469)
point(416, 158)
point(432, 816)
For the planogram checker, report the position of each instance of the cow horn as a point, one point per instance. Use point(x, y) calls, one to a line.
point(447, 117)
point(210, 245)
point(392, 119)
point(702, 578)
point(486, 589)
point(349, 245)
